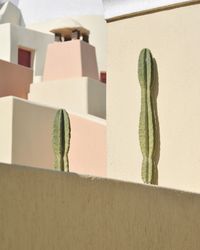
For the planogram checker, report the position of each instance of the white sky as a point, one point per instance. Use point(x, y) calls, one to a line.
point(41, 10)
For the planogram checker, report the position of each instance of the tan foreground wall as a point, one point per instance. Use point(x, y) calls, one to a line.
point(15, 79)
point(174, 41)
point(26, 132)
point(42, 209)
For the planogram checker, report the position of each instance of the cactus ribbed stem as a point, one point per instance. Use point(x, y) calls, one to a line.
point(61, 140)
point(146, 125)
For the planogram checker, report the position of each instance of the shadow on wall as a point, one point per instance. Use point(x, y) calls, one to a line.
point(155, 91)
point(96, 99)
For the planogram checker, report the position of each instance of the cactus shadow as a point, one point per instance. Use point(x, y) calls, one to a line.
point(156, 153)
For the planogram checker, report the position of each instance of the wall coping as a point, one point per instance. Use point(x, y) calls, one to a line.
point(117, 9)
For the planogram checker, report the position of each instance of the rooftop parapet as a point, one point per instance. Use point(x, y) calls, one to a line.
point(69, 29)
point(117, 9)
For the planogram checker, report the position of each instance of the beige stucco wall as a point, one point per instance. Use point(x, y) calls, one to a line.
point(15, 79)
point(174, 41)
point(73, 58)
point(80, 95)
point(12, 37)
point(26, 132)
point(6, 111)
point(98, 36)
point(42, 209)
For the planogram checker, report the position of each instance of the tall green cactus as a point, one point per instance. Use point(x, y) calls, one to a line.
point(146, 126)
point(61, 140)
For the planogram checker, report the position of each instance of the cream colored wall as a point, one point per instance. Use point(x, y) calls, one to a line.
point(5, 38)
point(98, 36)
point(174, 40)
point(6, 113)
point(15, 79)
point(26, 132)
point(80, 95)
point(31, 139)
point(117, 8)
point(43, 209)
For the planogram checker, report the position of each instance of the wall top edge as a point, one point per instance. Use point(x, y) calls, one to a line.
point(118, 9)
point(42, 173)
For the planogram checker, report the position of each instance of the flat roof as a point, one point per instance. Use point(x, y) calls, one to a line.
point(118, 9)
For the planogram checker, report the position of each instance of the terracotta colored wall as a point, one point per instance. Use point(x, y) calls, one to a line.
point(70, 59)
point(88, 146)
point(14, 79)
point(42, 209)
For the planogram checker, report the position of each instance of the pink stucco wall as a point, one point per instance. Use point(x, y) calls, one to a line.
point(88, 147)
point(15, 79)
point(74, 58)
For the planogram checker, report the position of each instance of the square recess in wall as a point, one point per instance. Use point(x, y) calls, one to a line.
point(25, 57)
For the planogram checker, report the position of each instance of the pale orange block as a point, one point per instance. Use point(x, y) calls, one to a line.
point(15, 79)
point(74, 58)
point(88, 146)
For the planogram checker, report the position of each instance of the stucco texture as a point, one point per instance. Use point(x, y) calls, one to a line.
point(26, 133)
point(13, 37)
point(15, 79)
point(98, 33)
point(174, 40)
point(81, 95)
point(73, 58)
point(42, 209)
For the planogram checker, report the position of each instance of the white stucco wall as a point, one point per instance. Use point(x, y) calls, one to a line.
point(10, 13)
point(37, 41)
point(12, 37)
point(5, 38)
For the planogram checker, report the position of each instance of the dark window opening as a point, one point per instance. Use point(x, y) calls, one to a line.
point(103, 76)
point(24, 57)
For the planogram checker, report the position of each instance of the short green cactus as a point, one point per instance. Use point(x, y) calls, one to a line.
point(61, 140)
point(146, 125)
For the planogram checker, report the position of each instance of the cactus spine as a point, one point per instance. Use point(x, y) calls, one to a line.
point(146, 125)
point(61, 140)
